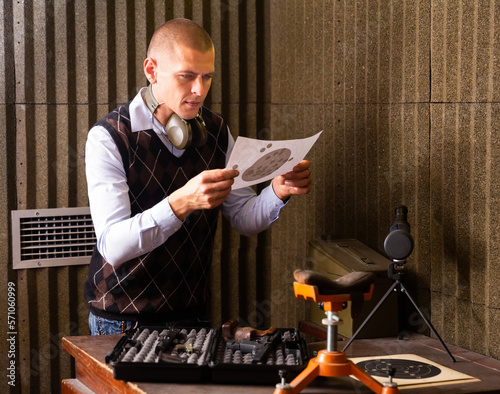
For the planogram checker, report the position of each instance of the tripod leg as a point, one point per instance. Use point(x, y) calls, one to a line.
point(428, 323)
point(401, 314)
point(371, 314)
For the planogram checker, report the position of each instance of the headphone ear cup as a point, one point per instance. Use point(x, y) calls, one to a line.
point(182, 134)
point(179, 132)
point(199, 133)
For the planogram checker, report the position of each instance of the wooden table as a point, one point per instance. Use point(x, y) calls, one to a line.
point(94, 375)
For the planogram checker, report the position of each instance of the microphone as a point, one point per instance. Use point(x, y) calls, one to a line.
point(399, 243)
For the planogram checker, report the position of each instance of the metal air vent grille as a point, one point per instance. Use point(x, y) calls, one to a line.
point(52, 237)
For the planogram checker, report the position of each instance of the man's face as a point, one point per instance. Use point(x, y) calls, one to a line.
point(183, 82)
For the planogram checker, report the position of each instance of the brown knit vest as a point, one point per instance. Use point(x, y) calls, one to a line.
point(172, 279)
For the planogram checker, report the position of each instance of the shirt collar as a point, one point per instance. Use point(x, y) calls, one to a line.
point(141, 117)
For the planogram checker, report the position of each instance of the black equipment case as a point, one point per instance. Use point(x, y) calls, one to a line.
point(169, 354)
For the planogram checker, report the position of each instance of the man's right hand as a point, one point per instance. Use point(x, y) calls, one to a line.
point(206, 190)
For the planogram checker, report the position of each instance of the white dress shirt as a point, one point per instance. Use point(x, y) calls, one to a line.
point(121, 237)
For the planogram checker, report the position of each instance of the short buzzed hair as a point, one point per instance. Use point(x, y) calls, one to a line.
point(179, 32)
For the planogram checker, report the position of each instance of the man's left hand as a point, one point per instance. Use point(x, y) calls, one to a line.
point(297, 181)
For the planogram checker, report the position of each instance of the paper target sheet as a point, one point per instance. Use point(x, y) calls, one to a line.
point(411, 370)
point(261, 160)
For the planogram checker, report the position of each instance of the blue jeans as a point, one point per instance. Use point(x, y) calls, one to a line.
point(101, 326)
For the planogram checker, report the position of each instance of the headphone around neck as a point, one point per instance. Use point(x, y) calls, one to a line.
point(181, 133)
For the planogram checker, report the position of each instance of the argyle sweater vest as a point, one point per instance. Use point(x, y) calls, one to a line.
point(173, 278)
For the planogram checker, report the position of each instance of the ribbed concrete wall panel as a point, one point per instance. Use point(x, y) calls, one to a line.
point(463, 179)
point(385, 69)
point(465, 63)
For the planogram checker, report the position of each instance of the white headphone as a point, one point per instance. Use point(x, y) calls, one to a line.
point(180, 132)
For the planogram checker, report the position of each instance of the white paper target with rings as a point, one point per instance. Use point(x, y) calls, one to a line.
point(261, 160)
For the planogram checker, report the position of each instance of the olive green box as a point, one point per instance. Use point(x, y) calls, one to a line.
point(335, 258)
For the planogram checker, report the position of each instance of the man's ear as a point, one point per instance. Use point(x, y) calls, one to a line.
point(150, 69)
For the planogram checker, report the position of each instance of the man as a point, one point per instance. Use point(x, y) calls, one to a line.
point(156, 184)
